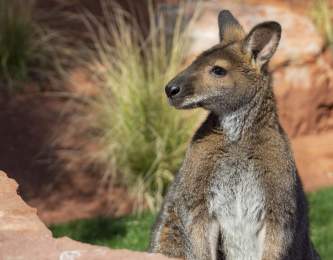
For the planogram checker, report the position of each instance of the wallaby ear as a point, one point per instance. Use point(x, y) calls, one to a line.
point(262, 42)
point(229, 27)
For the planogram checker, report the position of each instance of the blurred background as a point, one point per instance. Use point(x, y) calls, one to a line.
point(86, 130)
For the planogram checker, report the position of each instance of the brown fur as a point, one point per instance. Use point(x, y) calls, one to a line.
point(243, 133)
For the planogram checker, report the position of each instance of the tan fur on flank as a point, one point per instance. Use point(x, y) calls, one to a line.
point(237, 195)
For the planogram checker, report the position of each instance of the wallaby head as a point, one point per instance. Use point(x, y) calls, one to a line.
point(227, 76)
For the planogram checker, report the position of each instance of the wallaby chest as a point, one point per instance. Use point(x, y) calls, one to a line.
point(228, 178)
point(234, 195)
point(235, 191)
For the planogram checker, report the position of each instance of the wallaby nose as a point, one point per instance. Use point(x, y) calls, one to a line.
point(172, 90)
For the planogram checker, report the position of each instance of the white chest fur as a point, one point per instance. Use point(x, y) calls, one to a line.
point(237, 202)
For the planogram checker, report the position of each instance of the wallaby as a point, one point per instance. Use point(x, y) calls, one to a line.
point(237, 195)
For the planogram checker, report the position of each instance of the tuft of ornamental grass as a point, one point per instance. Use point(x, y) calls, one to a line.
point(28, 49)
point(141, 140)
point(322, 15)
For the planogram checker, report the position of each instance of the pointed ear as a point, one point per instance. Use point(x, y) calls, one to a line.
point(229, 27)
point(262, 42)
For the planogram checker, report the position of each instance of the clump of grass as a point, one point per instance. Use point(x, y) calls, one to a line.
point(141, 139)
point(28, 50)
point(322, 15)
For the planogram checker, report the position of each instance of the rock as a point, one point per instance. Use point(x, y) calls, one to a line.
point(313, 154)
point(24, 237)
point(15, 215)
point(305, 96)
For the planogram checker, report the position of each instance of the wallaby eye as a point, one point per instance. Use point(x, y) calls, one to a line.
point(218, 71)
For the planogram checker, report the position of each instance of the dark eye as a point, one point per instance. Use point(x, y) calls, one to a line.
point(218, 71)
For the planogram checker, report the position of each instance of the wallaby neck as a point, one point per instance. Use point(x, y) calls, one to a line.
point(252, 117)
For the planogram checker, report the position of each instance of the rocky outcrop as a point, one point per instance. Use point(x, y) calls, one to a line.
point(314, 159)
point(305, 96)
point(23, 236)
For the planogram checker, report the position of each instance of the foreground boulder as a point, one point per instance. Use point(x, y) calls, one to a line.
point(23, 236)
